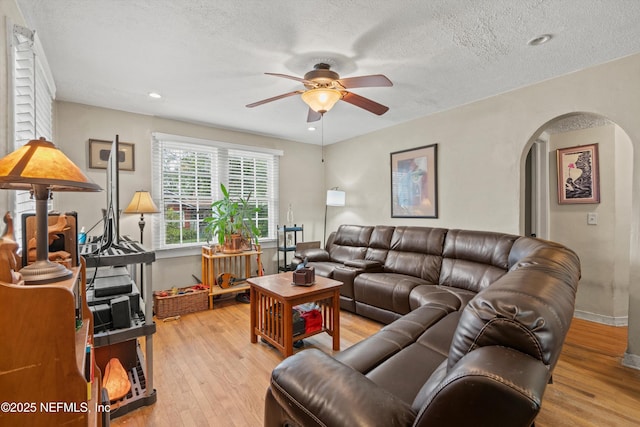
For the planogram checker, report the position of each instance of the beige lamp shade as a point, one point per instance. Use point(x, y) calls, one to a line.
point(141, 203)
point(41, 162)
point(321, 100)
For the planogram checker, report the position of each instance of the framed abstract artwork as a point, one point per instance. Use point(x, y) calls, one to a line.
point(414, 183)
point(99, 151)
point(578, 176)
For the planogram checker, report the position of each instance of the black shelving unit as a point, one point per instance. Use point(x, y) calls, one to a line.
point(287, 241)
point(124, 342)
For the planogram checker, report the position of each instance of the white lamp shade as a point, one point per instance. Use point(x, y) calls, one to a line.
point(336, 198)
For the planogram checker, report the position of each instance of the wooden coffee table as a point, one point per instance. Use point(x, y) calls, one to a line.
point(272, 300)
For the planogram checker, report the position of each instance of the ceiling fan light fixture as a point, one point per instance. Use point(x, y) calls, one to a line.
point(321, 99)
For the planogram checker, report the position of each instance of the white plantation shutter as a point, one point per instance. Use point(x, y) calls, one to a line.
point(187, 173)
point(33, 93)
point(250, 176)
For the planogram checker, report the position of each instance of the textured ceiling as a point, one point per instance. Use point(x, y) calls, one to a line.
point(207, 58)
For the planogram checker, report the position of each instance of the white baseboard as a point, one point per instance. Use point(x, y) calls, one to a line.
point(631, 361)
point(599, 318)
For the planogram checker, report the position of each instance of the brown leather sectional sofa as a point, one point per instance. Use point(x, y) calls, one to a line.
point(475, 325)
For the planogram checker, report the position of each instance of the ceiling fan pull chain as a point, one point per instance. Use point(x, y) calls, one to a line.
point(322, 135)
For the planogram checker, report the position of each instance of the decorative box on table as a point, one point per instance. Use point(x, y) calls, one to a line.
point(181, 301)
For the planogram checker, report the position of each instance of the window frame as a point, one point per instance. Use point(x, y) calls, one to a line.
point(221, 153)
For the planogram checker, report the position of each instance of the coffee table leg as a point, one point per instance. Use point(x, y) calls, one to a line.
point(252, 308)
point(287, 329)
point(336, 320)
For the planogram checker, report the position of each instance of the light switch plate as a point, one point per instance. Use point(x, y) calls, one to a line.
point(592, 218)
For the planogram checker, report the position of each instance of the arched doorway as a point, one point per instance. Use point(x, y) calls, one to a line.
point(604, 247)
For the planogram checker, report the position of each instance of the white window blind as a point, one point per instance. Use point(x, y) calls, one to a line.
point(187, 173)
point(33, 92)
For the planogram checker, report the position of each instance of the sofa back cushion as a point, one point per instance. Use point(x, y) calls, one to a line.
point(416, 251)
point(350, 242)
point(379, 243)
point(529, 309)
point(472, 260)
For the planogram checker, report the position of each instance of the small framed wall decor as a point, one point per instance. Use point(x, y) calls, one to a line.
point(414, 183)
point(99, 151)
point(578, 175)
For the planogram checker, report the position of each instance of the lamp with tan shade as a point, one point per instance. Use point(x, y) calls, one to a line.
point(141, 203)
point(40, 167)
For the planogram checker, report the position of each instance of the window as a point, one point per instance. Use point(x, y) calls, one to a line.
point(33, 93)
point(187, 173)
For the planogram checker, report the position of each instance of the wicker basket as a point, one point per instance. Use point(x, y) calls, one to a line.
point(189, 301)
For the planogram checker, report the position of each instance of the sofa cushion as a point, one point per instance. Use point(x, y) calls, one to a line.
point(474, 259)
point(416, 251)
point(374, 350)
point(379, 243)
point(350, 242)
point(388, 291)
point(405, 373)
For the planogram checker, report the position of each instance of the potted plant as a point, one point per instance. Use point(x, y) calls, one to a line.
point(248, 229)
point(229, 221)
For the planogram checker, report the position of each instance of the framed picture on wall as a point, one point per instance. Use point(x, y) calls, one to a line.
point(99, 151)
point(578, 176)
point(414, 183)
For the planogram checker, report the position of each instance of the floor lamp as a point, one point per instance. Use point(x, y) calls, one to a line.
point(40, 167)
point(335, 197)
point(141, 203)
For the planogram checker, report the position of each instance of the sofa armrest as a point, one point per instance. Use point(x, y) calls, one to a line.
point(313, 254)
point(499, 385)
point(348, 272)
point(365, 265)
point(314, 389)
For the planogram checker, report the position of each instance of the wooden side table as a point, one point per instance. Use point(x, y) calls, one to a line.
point(238, 264)
point(272, 300)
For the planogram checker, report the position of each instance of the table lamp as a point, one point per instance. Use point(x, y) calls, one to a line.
point(141, 203)
point(40, 167)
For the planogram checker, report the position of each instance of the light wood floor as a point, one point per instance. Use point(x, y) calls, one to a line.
point(207, 373)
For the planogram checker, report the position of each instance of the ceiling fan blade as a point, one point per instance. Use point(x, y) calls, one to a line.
point(374, 80)
point(313, 116)
point(286, 76)
point(366, 103)
point(275, 98)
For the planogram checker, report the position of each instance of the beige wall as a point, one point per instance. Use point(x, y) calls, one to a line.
point(300, 177)
point(623, 169)
point(602, 248)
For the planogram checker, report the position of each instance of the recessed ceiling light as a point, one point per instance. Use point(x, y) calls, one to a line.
point(311, 128)
point(155, 95)
point(537, 41)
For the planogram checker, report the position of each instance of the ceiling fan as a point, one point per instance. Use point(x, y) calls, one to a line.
point(324, 88)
